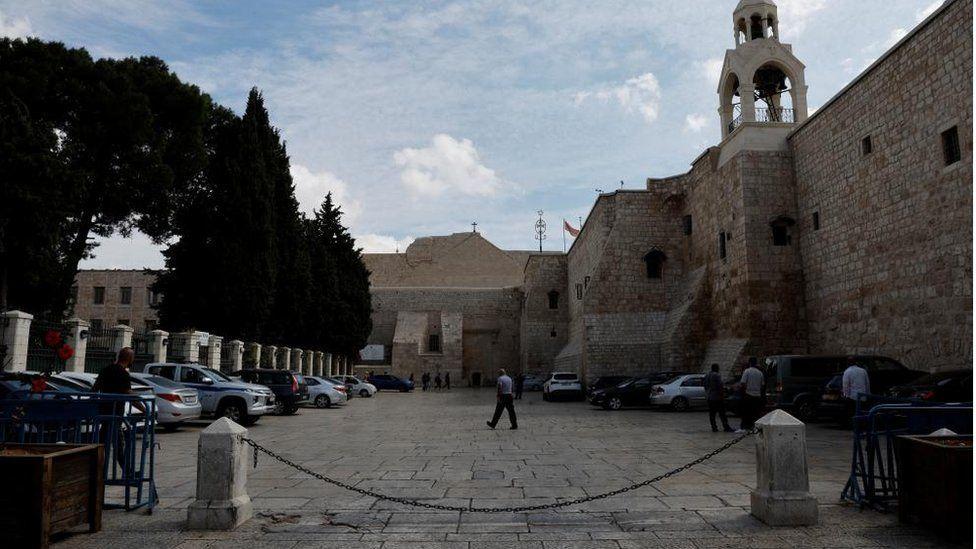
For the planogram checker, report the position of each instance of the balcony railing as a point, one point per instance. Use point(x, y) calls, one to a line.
point(765, 116)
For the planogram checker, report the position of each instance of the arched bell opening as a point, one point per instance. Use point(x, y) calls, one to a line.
point(774, 94)
point(731, 104)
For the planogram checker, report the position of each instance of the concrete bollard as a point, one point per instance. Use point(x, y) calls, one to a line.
point(222, 501)
point(782, 495)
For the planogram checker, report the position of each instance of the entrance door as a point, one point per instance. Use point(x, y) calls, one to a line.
point(476, 356)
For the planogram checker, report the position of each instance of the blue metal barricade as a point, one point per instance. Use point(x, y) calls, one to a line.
point(92, 418)
point(877, 422)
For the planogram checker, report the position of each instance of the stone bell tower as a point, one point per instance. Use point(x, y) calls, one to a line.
point(762, 84)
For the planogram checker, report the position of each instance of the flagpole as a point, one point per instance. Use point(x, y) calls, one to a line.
point(564, 235)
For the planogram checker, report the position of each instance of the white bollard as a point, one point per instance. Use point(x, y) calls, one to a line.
point(782, 495)
point(222, 501)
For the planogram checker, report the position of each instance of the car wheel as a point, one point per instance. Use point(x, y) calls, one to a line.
point(364, 393)
point(279, 408)
point(322, 401)
point(615, 403)
point(679, 404)
point(232, 411)
point(804, 410)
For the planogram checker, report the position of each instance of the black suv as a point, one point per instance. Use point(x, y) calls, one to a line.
point(289, 387)
point(631, 391)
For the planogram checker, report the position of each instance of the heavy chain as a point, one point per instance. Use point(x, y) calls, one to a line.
point(258, 448)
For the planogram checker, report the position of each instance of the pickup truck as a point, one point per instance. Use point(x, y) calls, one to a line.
point(220, 396)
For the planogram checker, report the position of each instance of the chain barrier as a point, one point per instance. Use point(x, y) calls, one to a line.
point(258, 448)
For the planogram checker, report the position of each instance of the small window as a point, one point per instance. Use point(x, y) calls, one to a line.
point(654, 261)
point(866, 146)
point(950, 146)
point(122, 322)
point(99, 296)
point(579, 291)
point(552, 333)
point(553, 299)
point(152, 297)
point(687, 225)
point(816, 221)
point(433, 343)
point(721, 245)
point(125, 295)
point(781, 235)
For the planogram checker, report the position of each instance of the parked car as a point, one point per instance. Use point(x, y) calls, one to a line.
point(175, 404)
point(85, 381)
point(533, 382)
point(948, 386)
point(325, 392)
point(16, 385)
point(387, 382)
point(680, 393)
point(357, 386)
point(605, 382)
point(289, 387)
point(220, 395)
point(563, 385)
point(632, 391)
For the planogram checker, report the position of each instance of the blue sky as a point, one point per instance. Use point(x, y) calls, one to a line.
point(424, 116)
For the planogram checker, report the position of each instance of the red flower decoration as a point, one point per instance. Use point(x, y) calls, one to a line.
point(38, 385)
point(66, 352)
point(52, 338)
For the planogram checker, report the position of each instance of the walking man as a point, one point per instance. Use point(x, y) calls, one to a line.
point(715, 391)
point(425, 381)
point(437, 381)
point(752, 383)
point(519, 385)
point(505, 401)
point(447, 381)
point(854, 383)
point(115, 379)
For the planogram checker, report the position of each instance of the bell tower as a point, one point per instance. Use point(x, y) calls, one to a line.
point(762, 82)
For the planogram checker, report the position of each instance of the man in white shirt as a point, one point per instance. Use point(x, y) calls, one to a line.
point(855, 380)
point(752, 395)
point(505, 401)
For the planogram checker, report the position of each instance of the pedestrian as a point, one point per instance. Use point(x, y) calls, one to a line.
point(411, 378)
point(115, 379)
point(751, 384)
point(715, 391)
point(854, 383)
point(505, 401)
point(447, 381)
point(425, 381)
point(437, 381)
point(519, 385)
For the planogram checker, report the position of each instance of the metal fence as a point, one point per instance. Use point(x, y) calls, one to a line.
point(203, 356)
point(141, 345)
point(44, 339)
point(99, 352)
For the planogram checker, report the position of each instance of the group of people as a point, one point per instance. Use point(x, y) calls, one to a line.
point(439, 383)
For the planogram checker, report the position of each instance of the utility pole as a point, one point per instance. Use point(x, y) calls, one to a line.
point(540, 229)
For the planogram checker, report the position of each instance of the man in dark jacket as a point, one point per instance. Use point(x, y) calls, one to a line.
point(715, 391)
point(114, 379)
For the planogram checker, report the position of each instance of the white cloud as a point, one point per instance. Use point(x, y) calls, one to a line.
point(447, 164)
point(795, 14)
point(641, 94)
point(711, 69)
point(381, 243)
point(695, 122)
point(311, 188)
point(11, 27)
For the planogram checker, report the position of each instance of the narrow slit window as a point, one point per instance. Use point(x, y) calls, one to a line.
point(721, 245)
point(687, 225)
point(579, 291)
point(816, 221)
point(950, 146)
point(553, 299)
point(866, 145)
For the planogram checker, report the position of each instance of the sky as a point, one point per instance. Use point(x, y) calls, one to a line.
point(423, 117)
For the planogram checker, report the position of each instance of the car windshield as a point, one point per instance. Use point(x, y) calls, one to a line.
point(158, 380)
point(215, 374)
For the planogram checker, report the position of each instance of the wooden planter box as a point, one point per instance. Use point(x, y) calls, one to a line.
point(49, 488)
point(935, 484)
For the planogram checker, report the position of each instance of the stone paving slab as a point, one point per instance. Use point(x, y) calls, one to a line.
point(434, 447)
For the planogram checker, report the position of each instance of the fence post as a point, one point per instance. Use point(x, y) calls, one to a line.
point(253, 358)
point(222, 501)
point(158, 340)
point(16, 337)
point(782, 495)
point(213, 352)
point(309, 365)
point(284, 358)
point(78, 339)
point(236, 349)
point(270, 357)
point(121, 337)
point(297, 355)
point(184, 346)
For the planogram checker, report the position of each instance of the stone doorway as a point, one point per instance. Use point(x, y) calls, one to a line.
point(477, 356)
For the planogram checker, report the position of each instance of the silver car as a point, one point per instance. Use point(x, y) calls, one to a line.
point(680, 392)
point(175, 403)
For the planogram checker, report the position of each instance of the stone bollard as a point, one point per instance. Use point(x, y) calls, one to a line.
point(782, 495)
point(222, 501)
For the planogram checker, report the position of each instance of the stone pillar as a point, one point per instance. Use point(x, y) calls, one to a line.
point(330, 362)
point(297, 357)
point(222, 461)
point(78, 339)
point(184, 347)
point(235, 348)
point(213, 352)
point(121, 337)
point(284, 358)
point(253, 357)
point(317, 365)
point(310, 362)
point(748, 101)
point(782, 495)
point(158, 341)
point(270, 357)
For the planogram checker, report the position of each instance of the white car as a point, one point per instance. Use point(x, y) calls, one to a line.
point(87, 380)
point(174, 402)
point(324, 392)
point(562, 384)
point(680, 392)
point(358, 386)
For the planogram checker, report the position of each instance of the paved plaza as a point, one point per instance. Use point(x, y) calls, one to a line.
point(435, 446)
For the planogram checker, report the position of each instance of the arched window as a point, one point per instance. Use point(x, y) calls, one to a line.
point(781, 230)
point(553, 299)
point(654, 261)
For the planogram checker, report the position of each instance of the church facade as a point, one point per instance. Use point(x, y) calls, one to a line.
point(848, 230)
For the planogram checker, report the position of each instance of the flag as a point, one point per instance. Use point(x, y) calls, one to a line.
point(569, 229)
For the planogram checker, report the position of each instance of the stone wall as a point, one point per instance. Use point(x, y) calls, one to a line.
point(889, 271)
point(544, 330)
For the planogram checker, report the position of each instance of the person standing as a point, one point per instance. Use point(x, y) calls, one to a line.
point(519, 386)
point(854, 383)
point(505, 401)
point(425, 381)
point(751, 384)
point(715, 391)
point(447, 381)
point(115, 380)
point(437, 381)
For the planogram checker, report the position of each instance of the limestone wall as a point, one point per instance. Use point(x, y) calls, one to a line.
point(544, 330)
point(890, 269)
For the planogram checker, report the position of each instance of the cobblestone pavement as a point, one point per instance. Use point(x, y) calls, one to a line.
point(436, 446)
